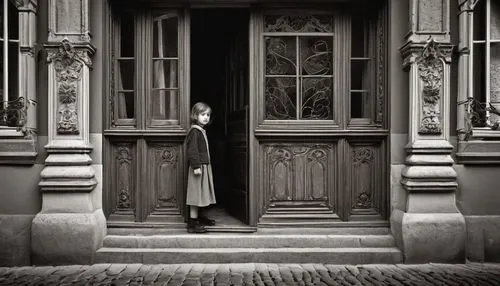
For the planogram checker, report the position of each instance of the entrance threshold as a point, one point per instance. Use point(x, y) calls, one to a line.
point(224, 222)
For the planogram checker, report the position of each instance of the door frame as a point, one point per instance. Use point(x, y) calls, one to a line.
point(256, 133)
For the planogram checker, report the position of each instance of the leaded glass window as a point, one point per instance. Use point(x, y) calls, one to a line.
point(298, 67)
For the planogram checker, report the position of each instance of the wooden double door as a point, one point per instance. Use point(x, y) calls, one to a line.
point(298, 136)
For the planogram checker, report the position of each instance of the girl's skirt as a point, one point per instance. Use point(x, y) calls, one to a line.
point(200, 188)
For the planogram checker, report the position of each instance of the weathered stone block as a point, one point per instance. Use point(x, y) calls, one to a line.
point(483, 238)
point(433, 237)
point(15, 232)
point(71, 238)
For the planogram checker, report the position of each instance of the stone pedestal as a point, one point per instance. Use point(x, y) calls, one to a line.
point(430, 228)
point(71, 225)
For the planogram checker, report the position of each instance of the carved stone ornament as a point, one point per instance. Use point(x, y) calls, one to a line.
point(430, 70)
point(68, 64)
point(26, 4)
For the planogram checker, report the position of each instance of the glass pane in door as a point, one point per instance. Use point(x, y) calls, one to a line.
point(164, 98)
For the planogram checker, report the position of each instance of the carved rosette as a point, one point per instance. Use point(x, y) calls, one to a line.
point(123, 155)
point(68, 63)
point(167, 155)
point(362, 155)
point(124, 199)
point(430, 69)
point(282, 155)
point(317, 155)
point(363, 201)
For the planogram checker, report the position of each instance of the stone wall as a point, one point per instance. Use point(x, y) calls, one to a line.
point(478, 198)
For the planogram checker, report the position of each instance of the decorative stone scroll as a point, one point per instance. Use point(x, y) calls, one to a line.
point(430, 70)
point(68, 64)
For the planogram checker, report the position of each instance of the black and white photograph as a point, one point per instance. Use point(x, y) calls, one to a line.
point(250, 142)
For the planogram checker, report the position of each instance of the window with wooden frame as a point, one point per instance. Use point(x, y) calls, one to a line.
point(478, 111)
point(146, 57)
point(299, 67)
point(323, 67)
point(484, 70)
point(366, 35)
point(18, 111)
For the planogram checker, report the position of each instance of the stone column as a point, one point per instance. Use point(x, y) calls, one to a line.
point(430, 228)
point(71, 225)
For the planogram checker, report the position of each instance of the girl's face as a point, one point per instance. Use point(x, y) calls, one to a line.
point(203, 118)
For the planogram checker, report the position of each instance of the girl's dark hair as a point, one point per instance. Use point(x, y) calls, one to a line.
point(198, 108)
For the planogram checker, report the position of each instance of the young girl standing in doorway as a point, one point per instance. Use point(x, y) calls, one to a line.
point(200, 186)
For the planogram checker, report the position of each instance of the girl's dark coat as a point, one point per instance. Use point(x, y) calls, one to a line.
point(197, 153)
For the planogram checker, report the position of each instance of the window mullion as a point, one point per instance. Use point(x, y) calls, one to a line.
point(488, 52)
point(470, 93)
point(5, 52)
point(297, 72)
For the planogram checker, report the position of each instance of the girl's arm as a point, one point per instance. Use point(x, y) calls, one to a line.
point(193, 153)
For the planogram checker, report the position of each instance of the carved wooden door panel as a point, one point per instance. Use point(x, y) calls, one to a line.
point(320, 116)
point(147, 116)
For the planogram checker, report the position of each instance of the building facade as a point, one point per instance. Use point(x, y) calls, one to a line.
point(327, 115)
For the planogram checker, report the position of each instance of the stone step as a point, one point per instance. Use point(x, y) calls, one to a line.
point(253, 240)
point(369, 255)
point(338, 230)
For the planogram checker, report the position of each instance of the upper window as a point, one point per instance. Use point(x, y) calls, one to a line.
point(324, 66)
point(485, 67)
point(299, 67)
point(18, 111)
point(11, 110)
point(158, 61)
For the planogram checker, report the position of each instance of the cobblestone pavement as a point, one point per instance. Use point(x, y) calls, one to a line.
point(253, 274)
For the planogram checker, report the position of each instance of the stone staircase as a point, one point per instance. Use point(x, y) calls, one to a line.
point(337, 246)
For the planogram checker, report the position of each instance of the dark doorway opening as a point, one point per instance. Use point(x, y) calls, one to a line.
point(219, 77)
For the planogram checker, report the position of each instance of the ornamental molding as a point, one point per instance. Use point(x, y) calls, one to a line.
point(467, 5)
point(362, 155)
point(430, 65)
point(25, 5)
point(68, 62)
point(412, 51)
point(123, 155)
point(363, 201)
point(381, 66)
point(124, 199)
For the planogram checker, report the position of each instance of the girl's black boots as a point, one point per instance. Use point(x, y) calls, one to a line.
point(195, 226)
